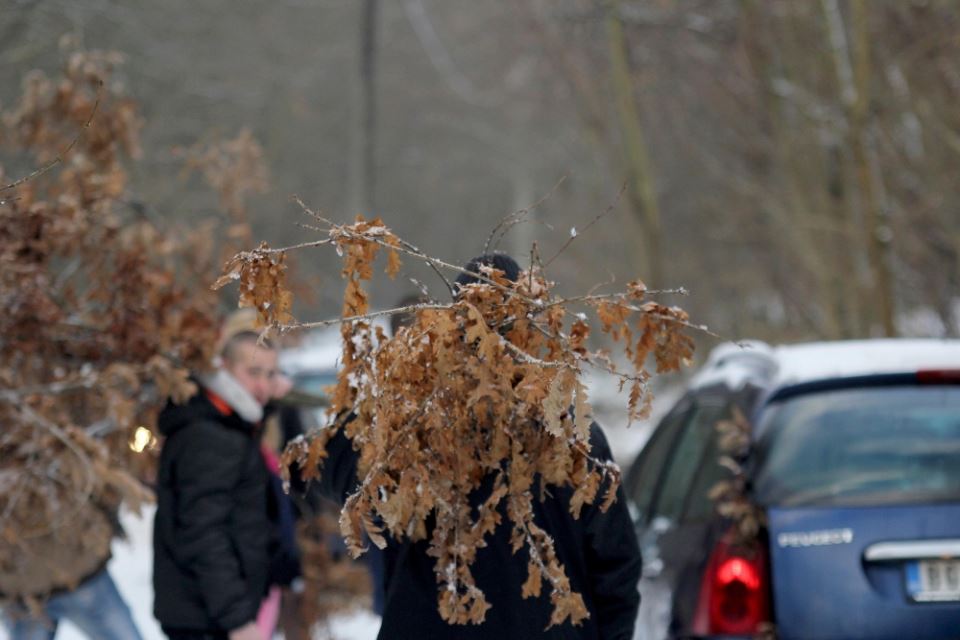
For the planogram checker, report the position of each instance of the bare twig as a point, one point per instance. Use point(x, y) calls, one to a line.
point(365, 316)
point(407, 245)
point(447, 282)
point(302, 245)
point(610, 282)
point(512, 219)
point(534, 263)
point(526, 357)
point(311, 212)
point(696, 327)
point(60, 156)
point(409, 249)
point(573, 236)
point(15, 396)
point(613, 296)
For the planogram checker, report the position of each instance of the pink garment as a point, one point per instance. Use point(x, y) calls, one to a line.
point(269, 613)
point(271, 459)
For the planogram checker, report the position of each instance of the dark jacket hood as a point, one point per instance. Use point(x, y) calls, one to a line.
point(175, 417)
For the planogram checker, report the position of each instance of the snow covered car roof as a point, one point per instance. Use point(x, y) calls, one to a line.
point(320, 351)
point(757, 363)
point(314, 356)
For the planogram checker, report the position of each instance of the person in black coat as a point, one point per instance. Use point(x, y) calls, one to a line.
point(598, 550)
point(213, 537)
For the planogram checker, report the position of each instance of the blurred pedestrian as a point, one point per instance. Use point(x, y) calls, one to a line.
point(283, 423)
point(213, 536)
point(94, 606)
point(61, 574)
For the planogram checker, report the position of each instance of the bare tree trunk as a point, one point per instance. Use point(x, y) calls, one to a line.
point(878, 240)
point(852, 300)
point(641, 190)
point(853, 72)
point(786, 190)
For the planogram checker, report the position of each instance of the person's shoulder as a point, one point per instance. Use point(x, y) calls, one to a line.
point(208, 431)
point(598, 442)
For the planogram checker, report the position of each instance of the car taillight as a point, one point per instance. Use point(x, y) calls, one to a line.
point(734, 592)
point(938, 376)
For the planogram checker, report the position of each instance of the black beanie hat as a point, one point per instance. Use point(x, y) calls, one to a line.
point(501, 261)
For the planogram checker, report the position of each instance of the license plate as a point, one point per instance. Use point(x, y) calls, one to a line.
point(933, 580)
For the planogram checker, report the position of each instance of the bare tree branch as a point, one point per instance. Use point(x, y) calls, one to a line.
point(574, 233)
point(60, 156)
point(517, 217)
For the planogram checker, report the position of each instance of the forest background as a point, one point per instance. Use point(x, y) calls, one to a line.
point(791, 164)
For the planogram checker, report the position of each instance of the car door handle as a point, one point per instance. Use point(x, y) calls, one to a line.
point(912, 550)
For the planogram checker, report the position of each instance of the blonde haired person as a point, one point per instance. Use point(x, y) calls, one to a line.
point(213, 536)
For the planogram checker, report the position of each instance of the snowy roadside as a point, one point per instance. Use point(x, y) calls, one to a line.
point(131, 570)
point(132, 558)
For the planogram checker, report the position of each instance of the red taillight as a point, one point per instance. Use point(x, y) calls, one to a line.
point(938, 376)
point(734, 593)
point(738, 570)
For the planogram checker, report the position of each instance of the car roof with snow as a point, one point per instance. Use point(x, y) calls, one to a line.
point(772, 367)
point(320, 350)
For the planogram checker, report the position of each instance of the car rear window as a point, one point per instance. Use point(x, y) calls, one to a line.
point(315, 382)
point(861, 447)
point(642, 482)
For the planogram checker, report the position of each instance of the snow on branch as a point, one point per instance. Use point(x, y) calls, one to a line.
point(490, 382)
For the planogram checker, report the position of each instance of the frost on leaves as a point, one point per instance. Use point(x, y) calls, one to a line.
point(263, 284)
point(480, 398)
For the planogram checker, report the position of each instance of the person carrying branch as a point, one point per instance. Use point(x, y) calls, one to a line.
point(599, 549)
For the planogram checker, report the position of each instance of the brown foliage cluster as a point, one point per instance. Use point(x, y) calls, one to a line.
point(331, 584)
point(730, 495)
point(485, 390)
point(235, 169)
point(263, 284)
point(104, 313)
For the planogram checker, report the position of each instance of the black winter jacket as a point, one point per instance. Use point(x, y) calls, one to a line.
point(212, 535)
point(598, 550)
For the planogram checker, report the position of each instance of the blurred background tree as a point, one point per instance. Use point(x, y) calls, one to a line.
point(108, 309)
point(789, 163)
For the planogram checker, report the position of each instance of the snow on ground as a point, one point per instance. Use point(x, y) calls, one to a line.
point(132, 558)
point(131, 568)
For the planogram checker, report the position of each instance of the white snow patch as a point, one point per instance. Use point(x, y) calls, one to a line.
point(776, 366)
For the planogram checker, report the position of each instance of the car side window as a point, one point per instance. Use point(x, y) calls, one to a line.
point(687, 457)
point(646, 471)
point(710, 472)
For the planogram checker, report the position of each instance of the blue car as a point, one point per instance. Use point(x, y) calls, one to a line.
point(852, 475)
